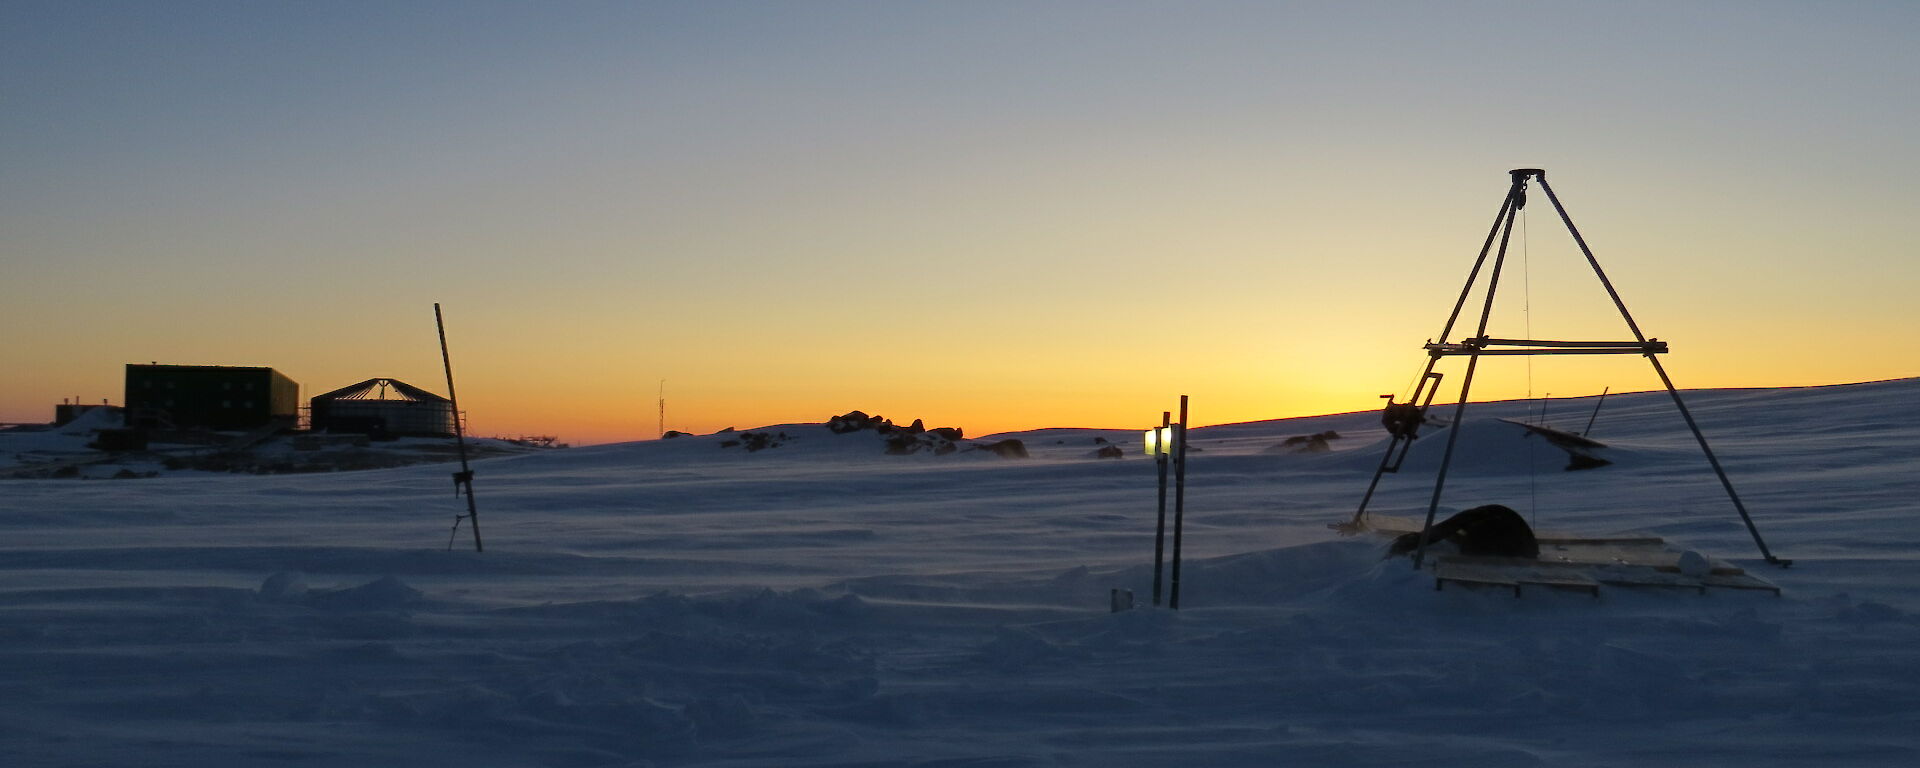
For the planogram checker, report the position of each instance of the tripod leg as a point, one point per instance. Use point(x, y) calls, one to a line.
point(1446, 459)
point(1591, 261)
point(1505, 215)
point(1717, 470)
point(1664, 379)
point(1473, 361)
point(1361, 513)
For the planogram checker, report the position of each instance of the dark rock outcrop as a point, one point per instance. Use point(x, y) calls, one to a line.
point(1314, 443)
point(900, 441)
point(1009, 448)
point(852, 421)
point(756, 441)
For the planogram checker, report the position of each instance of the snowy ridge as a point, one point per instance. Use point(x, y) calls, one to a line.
point(820, 603)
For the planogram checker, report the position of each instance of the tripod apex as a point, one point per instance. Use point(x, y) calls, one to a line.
point(1521, 173)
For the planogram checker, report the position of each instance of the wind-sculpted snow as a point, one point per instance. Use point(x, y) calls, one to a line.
point(821, 603)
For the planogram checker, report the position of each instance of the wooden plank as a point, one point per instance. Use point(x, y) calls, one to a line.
point(1472, 574)
point(1514, 572)
point(1660, 558)
point(1623, 539)
point(1641, 576)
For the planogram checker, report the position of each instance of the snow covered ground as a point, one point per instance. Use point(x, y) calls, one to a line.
point(820, 603)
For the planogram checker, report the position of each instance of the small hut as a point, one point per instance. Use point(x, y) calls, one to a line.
point(383, 407)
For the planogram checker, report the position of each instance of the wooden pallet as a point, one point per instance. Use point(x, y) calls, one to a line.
point(1580, 563)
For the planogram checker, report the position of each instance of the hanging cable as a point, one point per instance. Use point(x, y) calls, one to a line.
point(1526, 296)
point(1526, 313)
point(1407, 391)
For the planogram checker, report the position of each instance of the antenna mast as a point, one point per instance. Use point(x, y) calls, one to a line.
point(463, 479)
point(663, 408)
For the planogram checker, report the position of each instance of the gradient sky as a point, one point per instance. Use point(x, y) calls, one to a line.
point(988, 214)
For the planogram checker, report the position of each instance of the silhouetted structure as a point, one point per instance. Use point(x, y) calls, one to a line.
point(1402, 418)
point(209, 397)
point(65, 413)
point(382, 407)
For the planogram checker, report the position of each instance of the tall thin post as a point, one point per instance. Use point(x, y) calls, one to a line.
point(1505, 216)
point(1506, 205)
point(1446, 459)
point(462, 480)
point(1715, 462)
point(1160, 527)
point(1179, 500)
point(1378, 472)
point(1516, 200)
point(1591, 261)
point(1662, 371)
point(1596, 411)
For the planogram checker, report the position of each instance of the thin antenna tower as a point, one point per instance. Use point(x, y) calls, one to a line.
point(463, 479)
point(663, 408)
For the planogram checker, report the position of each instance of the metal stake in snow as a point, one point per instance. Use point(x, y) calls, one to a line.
point(463, 479)
point(1588, 432)
point(1179, 500)
point(1158, 445)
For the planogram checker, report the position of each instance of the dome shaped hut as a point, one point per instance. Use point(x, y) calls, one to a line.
point(383, 407)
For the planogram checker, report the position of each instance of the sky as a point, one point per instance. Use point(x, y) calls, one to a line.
point(992, 215)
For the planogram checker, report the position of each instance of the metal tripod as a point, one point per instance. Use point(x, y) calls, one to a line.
point(1403, 425)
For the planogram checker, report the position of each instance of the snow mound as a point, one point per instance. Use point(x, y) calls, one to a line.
point(93, 419)
point(383, 594)
point(1486, 447)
